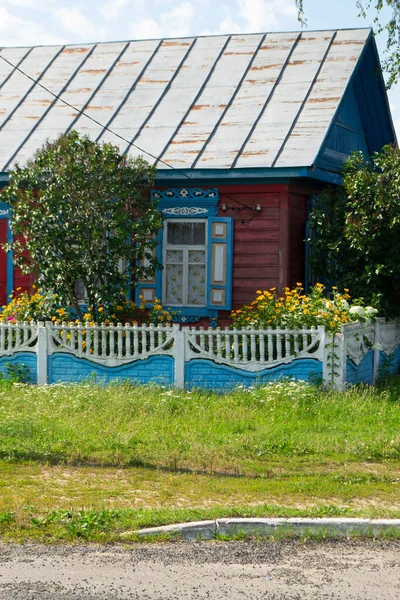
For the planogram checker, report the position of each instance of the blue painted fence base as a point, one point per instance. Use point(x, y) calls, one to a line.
point(208, 375)
point(67, 368)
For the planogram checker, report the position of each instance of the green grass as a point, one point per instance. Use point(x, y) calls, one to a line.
point(91, 462)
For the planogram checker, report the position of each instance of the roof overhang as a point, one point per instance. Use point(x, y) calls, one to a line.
point(221, 176)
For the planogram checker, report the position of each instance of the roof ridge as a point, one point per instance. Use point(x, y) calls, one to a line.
point(192, 37)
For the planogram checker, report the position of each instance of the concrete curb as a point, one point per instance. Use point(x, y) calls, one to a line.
point(207, 530)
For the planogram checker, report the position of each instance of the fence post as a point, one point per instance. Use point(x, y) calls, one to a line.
point(179, 374)
point(41, 351)
point(334, 365)
point(377, 353)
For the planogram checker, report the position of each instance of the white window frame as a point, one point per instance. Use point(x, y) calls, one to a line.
point(185, 249)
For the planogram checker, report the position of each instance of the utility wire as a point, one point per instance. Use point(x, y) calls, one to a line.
point(81, 112)
point(105, 128)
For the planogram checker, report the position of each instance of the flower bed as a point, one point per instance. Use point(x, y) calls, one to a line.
point(294, 309)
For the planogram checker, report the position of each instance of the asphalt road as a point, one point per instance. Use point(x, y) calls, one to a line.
point(192, 570)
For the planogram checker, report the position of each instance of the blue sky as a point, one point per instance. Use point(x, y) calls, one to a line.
point(34, 22)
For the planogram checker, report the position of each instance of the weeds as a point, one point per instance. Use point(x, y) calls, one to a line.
point(92, 462)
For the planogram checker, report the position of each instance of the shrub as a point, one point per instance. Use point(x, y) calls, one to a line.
point(40, 306)
point(295, 309)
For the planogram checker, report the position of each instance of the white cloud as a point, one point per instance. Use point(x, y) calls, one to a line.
point(75, 22)
point(43, 5)
point(16, 31)
point(176, 22)
point(257, 15)
point(146, 29)
point(111, 10)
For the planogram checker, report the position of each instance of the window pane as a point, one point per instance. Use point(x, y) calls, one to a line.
point(197, 285)
point(174, 256)
point(186, 234)
point(197, 256)
point(174, 284)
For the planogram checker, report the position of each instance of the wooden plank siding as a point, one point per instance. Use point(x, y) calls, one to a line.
point(256, 244)
point(297, 230)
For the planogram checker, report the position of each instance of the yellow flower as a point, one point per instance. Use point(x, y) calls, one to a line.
point(100, 309)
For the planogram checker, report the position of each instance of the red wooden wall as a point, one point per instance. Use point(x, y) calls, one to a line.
point(269, 250)
point(3, 263)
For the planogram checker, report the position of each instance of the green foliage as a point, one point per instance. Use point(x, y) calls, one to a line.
point(241, 432)
point(355, 228)
point(296, 309)
point(82, 209)
point(16, 372)
point(38, 306)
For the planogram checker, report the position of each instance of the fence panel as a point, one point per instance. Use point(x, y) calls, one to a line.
point(17, 337)
point(111, 345)
point(253, 349)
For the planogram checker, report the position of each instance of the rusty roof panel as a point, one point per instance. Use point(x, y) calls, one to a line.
point(214, 99)
point(181, 95)
point(210, 102)
point(272, 129)
point(248, 103)
point(150, 89)
point(305, 141)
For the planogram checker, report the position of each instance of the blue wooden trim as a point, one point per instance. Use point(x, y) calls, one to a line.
point(186, 203)
point(295, 120)
point(347, 87)
point(159, 255)
point(228, 241)
point(262, 111)
point(36, 125)
point(368, 120)
point(10, 264)
point(164, 93)
point(4, 178)
point(199, 93)
point(255, 175)
point(235, 93)
point(132, 88)
point(5, 211)
point(82, 110)
point(388, 112)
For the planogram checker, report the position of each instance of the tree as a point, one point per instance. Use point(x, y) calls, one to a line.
point(390, 26)
point(81, 210)
point(356, 229)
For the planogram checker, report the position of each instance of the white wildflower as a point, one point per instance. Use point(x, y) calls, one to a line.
point(358, 311)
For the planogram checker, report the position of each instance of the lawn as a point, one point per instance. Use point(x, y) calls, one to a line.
point(92, 462)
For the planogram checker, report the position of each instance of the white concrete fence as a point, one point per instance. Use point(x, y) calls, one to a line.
point(355, 355)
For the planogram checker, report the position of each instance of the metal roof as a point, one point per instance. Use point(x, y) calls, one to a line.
point(218, 102)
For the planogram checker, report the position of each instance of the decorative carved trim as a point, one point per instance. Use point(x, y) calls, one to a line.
point(187, 211)
point(187, 202)
point(185, 319)
point(185, 194)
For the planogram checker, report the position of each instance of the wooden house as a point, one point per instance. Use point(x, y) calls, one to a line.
point(243, 128)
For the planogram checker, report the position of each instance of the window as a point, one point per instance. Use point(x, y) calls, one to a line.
point(195, 248)
point(185, 263)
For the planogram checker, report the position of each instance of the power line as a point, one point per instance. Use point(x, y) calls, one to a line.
point(105, 128)
point(81, 112)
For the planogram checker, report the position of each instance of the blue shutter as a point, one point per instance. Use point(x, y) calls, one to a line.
point(220, 248)
point(152, 288)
